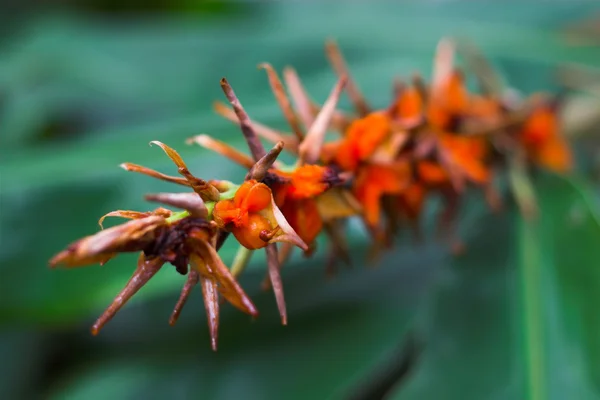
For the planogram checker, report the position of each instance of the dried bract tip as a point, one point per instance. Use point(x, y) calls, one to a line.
point(275, 277)
point(134, 214)
point(155, 174)
point(269, 134)
point(206, 191)
point(259, 170)
point(130, 236)
point(146, 269)
point(304, 105)
point(282, 99)
point(443, 64)
point(208, 263)
point(254, 144)
point(223, 149)
point(310, 148)
point(192, 280)
point(339, 65)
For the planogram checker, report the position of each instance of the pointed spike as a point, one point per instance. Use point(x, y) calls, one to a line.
point(443, 63)
point(228, 286)
point(206, 191)
point(269, 134)
point(171, 153)
point(123, 214)
point(310, 148)
point(259, 170)
point(277, 284)
point(254, 144)
point(223, 149)
point(192, 280)
point(282, 99)
point(490, 82)
point(146, 269)
point(304, 105)
point(421, 86)
point(210, 294)
point(155, 174)
point(339, 65)
point(286, 252)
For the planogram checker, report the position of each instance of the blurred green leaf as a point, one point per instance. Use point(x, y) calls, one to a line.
point(515, 317)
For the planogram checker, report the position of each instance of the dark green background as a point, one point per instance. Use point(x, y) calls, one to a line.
point(83, 88)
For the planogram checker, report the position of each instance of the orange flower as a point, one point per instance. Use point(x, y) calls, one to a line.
point(363, 137)
point(543, 142)
point(431, 173)
point(448, 100)
point(411, 200)
point(253, 217)
point(297, 198)
point(303, 215)
point(409, 106)
point(307, 181)
point(468, 154)
point(375, 181)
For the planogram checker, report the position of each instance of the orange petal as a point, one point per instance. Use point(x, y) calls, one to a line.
point(249, 234)
point(541, 126)
point(253, 196)
point(308, 181)
point(409, 105)
point(555, 155)
point(368, 133)
point(431, 173)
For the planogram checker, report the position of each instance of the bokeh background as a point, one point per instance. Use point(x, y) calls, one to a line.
point(86, 85)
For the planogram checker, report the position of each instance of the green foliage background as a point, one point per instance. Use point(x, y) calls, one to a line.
point(83, 91)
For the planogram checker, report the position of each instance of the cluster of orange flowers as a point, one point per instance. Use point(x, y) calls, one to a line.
point(437, 138)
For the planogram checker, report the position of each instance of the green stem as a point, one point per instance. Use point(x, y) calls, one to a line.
point(522, 188)
point(531, 285)
point(176, 216)
point(240, 261)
